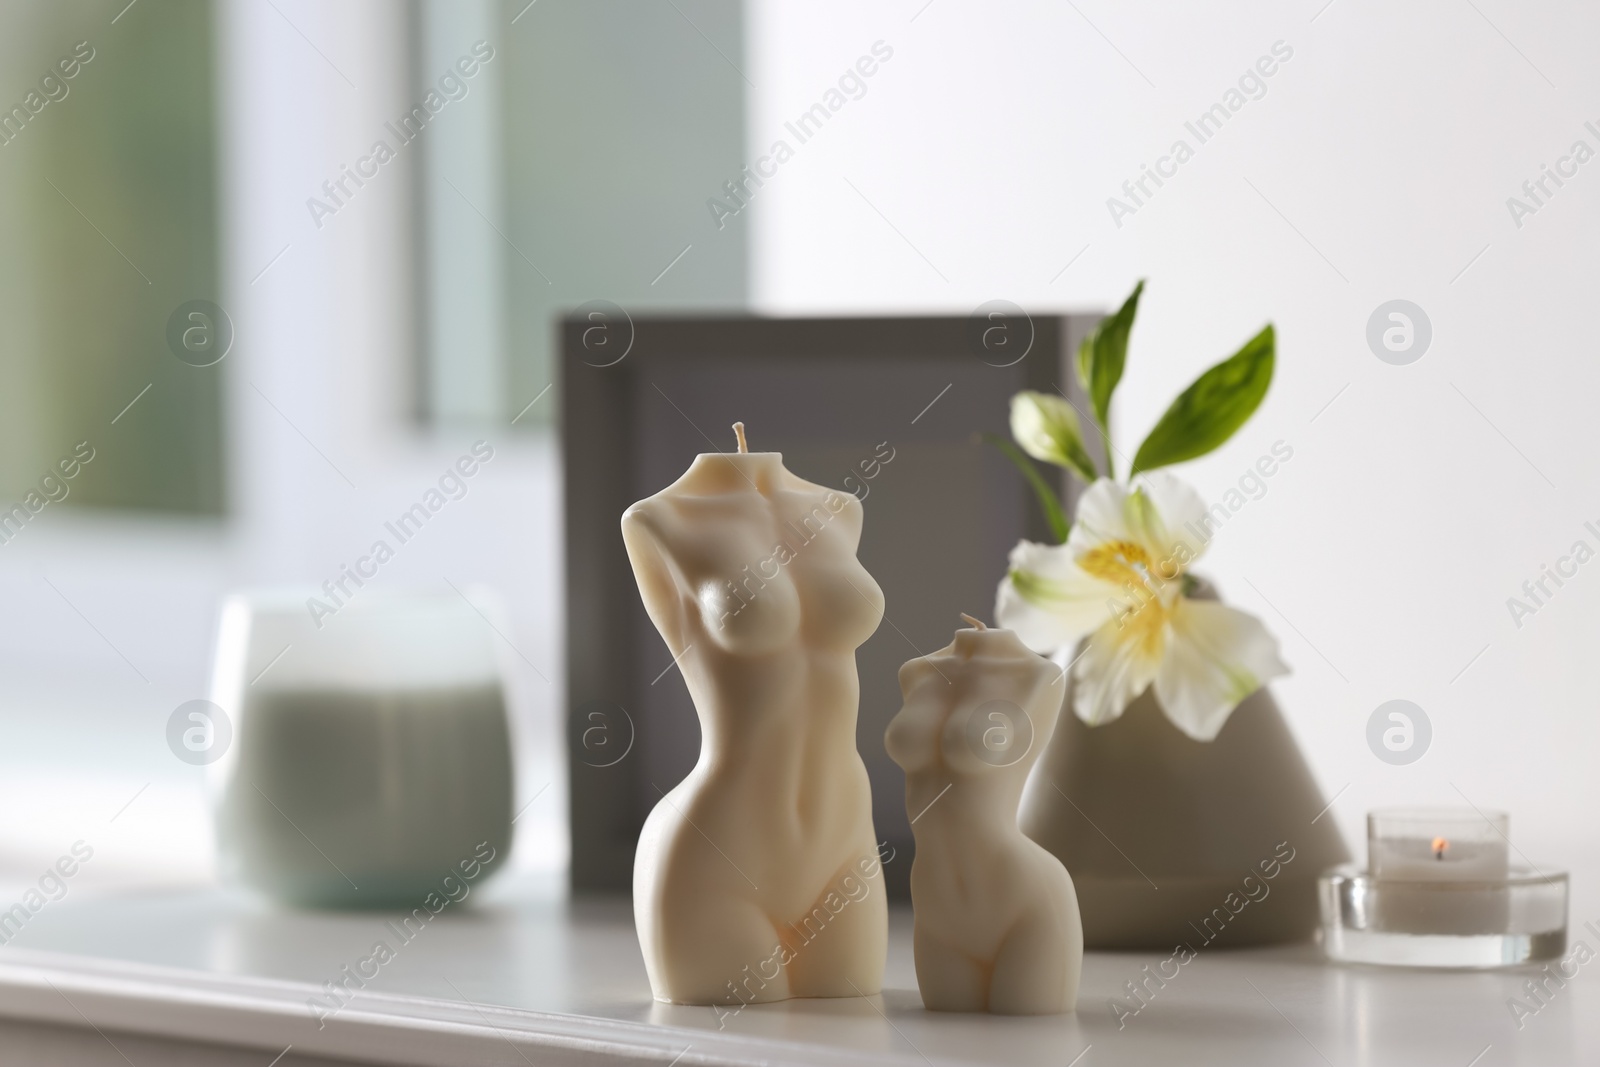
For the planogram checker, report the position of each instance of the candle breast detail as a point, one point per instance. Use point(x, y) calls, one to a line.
point(757, 878)
point(997, 926)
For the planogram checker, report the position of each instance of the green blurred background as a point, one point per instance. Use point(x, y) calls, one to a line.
point(109, 221)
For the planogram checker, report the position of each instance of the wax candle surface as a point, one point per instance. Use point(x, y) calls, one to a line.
point(1419, 859)
point(757, 878)
point(996, 926)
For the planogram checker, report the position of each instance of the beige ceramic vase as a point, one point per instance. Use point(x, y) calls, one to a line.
point(1174, 841)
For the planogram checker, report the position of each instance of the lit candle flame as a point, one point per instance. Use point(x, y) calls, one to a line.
point(1440, 847)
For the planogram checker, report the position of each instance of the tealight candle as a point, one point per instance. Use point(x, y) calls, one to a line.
point(1440, 891)
point(1438, 845)
point(1428, 846)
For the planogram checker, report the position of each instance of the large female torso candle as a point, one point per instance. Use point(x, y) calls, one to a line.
point(757, 877)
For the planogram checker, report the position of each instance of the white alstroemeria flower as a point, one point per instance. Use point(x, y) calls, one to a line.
point(1120, 579)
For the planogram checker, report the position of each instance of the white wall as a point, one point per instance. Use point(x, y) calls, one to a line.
point(1376, 166)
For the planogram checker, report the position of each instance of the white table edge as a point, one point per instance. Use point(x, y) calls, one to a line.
point(374, 1028)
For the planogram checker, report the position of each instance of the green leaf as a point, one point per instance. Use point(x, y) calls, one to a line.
point(1101, 358)
point(1208, 412)
point(1048, 501)
point(1046, 427)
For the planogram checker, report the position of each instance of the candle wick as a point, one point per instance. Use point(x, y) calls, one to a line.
point(738, 433)
point(976, 624)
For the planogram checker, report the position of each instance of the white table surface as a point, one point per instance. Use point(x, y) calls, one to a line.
point(521, 975)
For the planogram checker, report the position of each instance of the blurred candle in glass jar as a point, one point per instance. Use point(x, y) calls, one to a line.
point(371, 756)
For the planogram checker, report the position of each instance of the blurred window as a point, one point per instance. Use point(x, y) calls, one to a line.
point(576, 165)
point(108, 223)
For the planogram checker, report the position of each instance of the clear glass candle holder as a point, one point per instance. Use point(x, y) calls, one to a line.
point(370, 757)
point(1440, 891)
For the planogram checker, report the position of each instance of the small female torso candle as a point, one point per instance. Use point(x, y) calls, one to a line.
point(757, 878)
point(997, 926)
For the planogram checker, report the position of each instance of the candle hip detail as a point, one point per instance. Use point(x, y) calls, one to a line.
point(997, 926)
point(757, 877)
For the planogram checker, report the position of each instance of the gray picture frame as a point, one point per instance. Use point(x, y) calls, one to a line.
point(640, 397)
